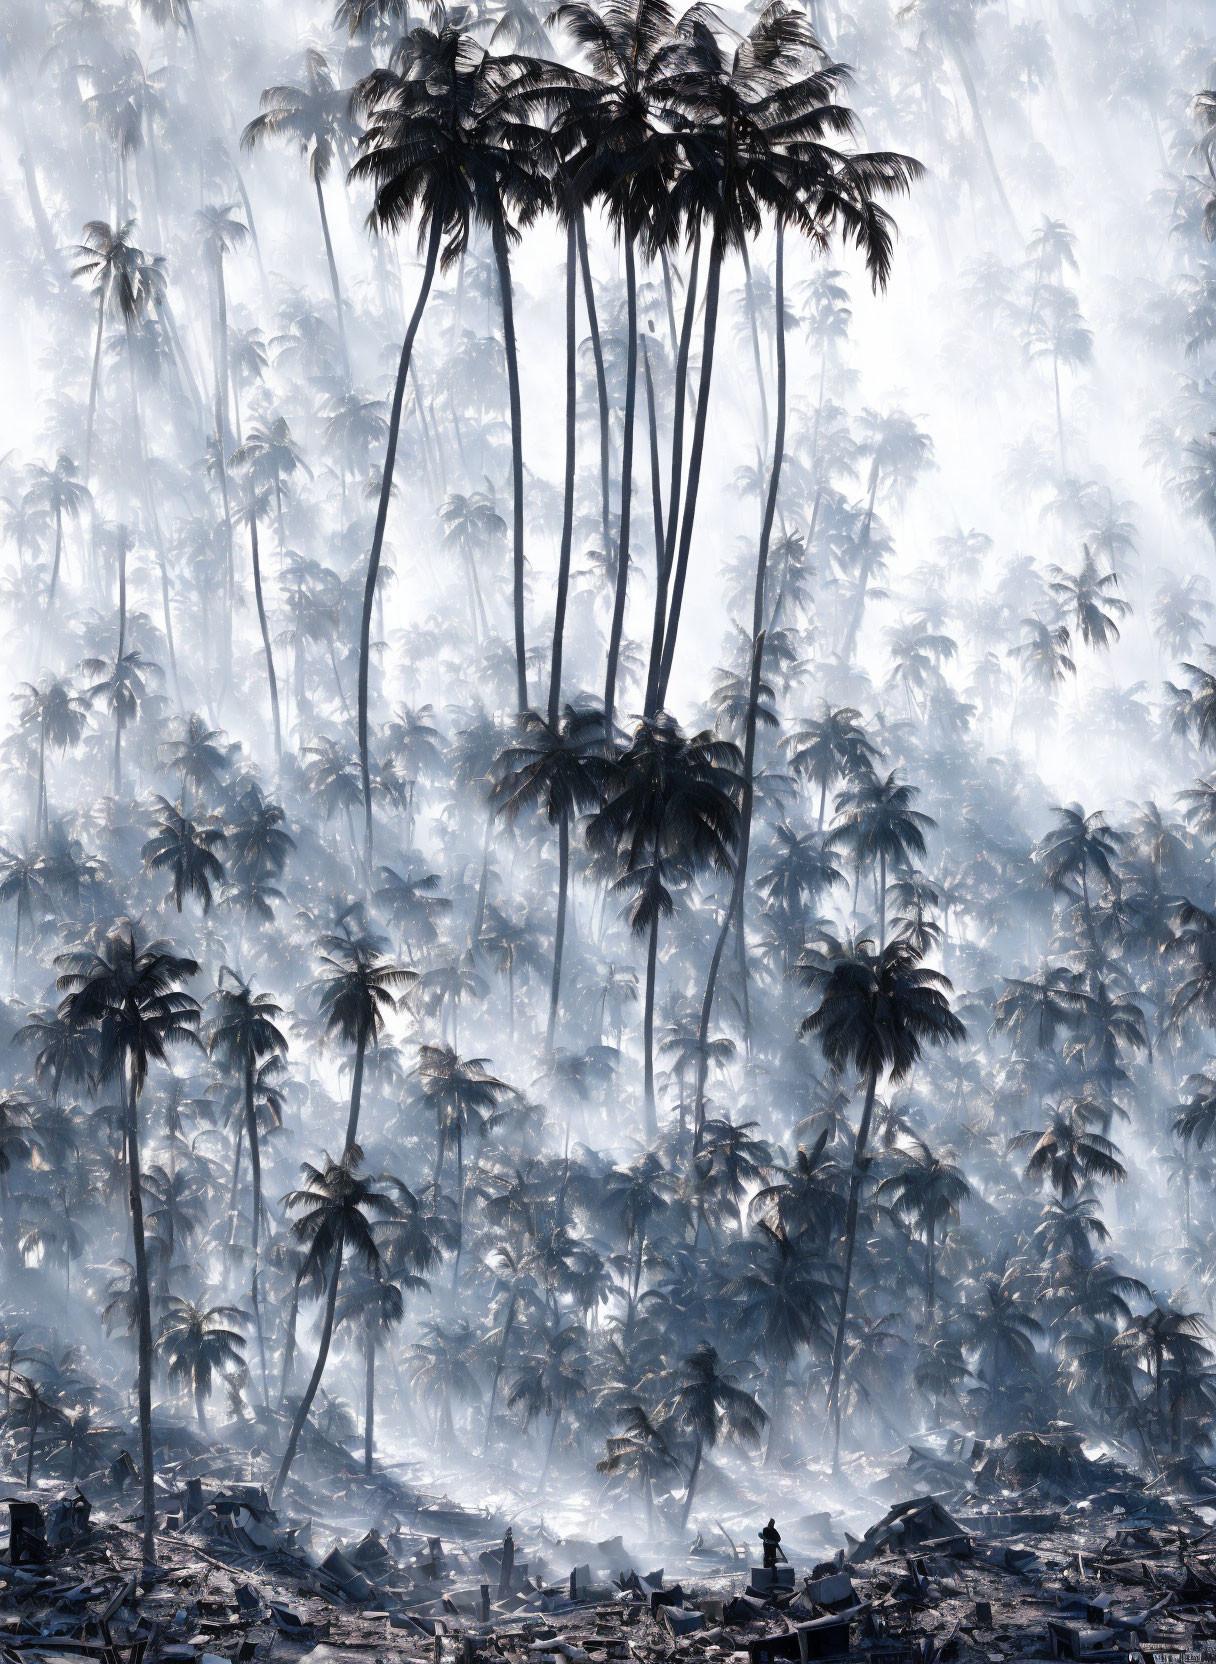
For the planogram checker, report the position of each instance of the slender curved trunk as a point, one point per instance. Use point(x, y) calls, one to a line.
point(255, 1171)
point(601, 383)
point(656, 485)
point(563, 564)
point(499, 1365)
point(29, 173)
point(694, 1470)
point(749, 291)
point(696, 454)
point(369, 1401)
point(758, 612)
point(265, 629)
point(673, 495)
point(650, 1119)
point(94, 381)
point(333, 277)
point(314, 1380)
point(143, 1298)
point(856, 1173)
point(356, 1095)
point(289, 1341)
point(122, 647)
point(40, 783)
point(559, 934)
point(622, 554)
point(502, 260)
point(386, 487)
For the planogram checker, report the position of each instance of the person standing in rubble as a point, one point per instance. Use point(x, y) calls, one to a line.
point(508, 1564)
point(770, 1539)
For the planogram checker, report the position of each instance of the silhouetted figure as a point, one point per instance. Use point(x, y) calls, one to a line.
point(508, 1564)
point(770, 1537)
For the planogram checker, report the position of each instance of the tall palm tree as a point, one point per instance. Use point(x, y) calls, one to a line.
point(61, 493)
point(427, 152)
point(243, 1034)
point(127, 282)
point(671, 811)
point(709, 1400)
point(759, 126)
point(187, 847)
point(130, 990)
point(373, 1305)
point(196, 1343)
point(877, 1009)
point(315, 115)
point(335, 1206)
point(559, 767)
point(878, 827)
point(926, 1190)
point(354, 992)
point(61, 715)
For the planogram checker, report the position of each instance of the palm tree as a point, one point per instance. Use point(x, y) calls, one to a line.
point(127, 283)
point(832, 746)
point(759, 123)
point(130, 991)
point(561, 768)
point(186, 847)
point(58, 492)
point(353, 994)
point(196, 1342)
point(61, 715)
point(878, 1008)
point(1068, 1155)
point(21, 881)
point(244, 1036)
point(425, 158)
point(671, 812)
point(333, 1208)
point(257, 500)
point(713, 1406)
point(464, 1098)
point(877, 825)
point(926, 1190)
point(315, 115)
point(1078, 845)
point(373, 1306)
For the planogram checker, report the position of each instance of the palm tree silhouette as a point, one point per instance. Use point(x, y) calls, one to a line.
point(129, 990)
point(878, 1008)
point(333, 1208)
point(561, 768)
point(196, 1342)
point(243, 1035)
point(709, 1400)
point(354, 993)
point(671, 812)
point(315, 115)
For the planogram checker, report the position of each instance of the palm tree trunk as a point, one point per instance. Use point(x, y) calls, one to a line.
point(314, 1380)
point(673, 495)
point(650, 1120)
point(255, 1170)
point(856, 1173)
point(688, 518)
point(265, 629)
point(333, 276)
point(693, 1471)
point(734, 907)
point(143, 1298)
point(498, 231)
point(37, 208)
point(386, 487)
point(122, 647)
point(757, 362)
point(559, 934)
point(563, 563)
point(369, 1401)
point(93, 383)
point(964, 73)
point(289, 1340)
point(356, 1095)
point(601, 382)
point(622, 555)
point(499, 1365)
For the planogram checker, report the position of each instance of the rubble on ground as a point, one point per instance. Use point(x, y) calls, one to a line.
point(1026, 1547)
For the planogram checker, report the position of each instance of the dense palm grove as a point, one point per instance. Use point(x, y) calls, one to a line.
point(446, 1013)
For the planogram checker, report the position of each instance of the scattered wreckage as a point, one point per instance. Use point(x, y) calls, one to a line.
point(1024, 1548)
